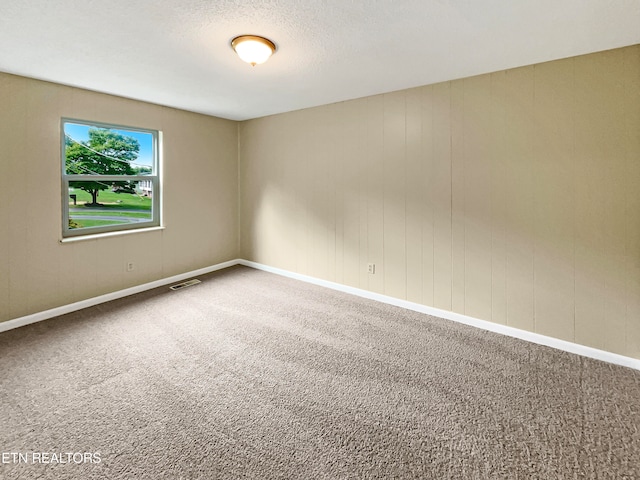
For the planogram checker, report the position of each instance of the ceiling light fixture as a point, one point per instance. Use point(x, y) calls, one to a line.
point(253, 49)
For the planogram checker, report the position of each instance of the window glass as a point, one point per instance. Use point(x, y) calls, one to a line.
point(110, 178)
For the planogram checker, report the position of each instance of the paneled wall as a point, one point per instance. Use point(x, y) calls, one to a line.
point(512, 197)
point(200, 191)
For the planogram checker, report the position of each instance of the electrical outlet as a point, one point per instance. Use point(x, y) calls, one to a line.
point(130, 266)
point(371, 268)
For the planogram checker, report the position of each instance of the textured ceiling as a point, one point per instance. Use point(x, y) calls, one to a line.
point(177, 53)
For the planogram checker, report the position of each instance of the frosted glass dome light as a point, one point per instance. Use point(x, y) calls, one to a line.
point(253, 49)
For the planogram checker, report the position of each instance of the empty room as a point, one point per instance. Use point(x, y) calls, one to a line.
point(320, 240)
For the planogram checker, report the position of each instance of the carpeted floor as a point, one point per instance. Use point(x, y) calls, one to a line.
point(252, 375)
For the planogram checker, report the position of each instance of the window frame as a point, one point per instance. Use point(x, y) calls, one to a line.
point(156, 197)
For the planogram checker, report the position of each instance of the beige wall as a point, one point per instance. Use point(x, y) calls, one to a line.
point(37, 272)
point(512, 197)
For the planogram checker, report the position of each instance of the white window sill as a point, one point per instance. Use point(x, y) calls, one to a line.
point(95, 236)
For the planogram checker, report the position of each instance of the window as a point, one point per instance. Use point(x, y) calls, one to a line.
point(110, 178)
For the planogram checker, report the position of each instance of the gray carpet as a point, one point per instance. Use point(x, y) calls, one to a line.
point(251, 375)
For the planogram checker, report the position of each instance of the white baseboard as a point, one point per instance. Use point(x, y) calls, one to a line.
point(436, 312)
point(54, 312)
point(456, 317)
